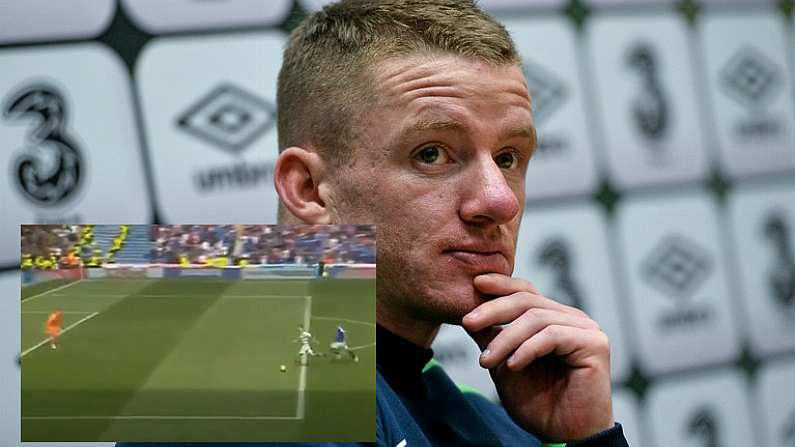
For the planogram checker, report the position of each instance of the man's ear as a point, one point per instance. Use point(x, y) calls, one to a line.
point(299, 178)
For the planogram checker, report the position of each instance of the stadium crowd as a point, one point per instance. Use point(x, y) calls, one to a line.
point(73, 246)
point(262, 244)
point(51, 246)
point(66, 246)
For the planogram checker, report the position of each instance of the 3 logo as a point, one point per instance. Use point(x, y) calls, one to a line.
point(703, 424)
point(787, 433)
point(51, 168)
point(556, 255)
point(649, 110)
point(781, 274)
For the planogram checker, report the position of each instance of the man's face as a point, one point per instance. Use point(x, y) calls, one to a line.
point(440, 168)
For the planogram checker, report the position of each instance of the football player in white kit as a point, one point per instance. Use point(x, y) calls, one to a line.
point(306, 351)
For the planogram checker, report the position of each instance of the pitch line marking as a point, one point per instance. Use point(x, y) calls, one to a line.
point(46, 292)
point(356, 348)
point(133, 295)
point(71, 326)
point(262, 296)
point(216, 296)
point(299, 408)
point(142, 417)
point(345, 320)
point(66, 312)
point(93, 295)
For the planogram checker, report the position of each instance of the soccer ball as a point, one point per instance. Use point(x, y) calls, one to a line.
point(283, 368)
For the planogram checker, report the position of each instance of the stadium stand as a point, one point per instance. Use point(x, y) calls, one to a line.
point(49, 246)
point(62, 246)
point(136, 246)
point(103, 237)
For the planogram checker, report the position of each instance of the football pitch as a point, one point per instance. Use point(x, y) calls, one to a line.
point(196, 359)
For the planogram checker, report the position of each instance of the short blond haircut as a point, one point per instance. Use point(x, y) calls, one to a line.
point(325, 83)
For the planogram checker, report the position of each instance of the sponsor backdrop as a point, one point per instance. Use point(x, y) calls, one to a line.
point(661, 199)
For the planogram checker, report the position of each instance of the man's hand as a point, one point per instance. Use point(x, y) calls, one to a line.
point(549, 362)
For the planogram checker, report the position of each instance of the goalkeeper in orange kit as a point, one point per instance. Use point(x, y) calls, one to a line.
point(54, 323)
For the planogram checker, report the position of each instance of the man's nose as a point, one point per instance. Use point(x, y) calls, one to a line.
point(488, 197)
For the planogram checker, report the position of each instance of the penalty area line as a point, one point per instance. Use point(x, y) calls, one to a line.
point(68, 328)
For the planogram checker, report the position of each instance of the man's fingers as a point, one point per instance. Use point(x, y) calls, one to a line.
point(574, 343)
point(535, 325)
point(499, 284)
point(525, 327)
point(485, 336)
point(505, 309)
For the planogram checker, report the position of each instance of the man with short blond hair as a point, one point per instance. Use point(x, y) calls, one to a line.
point(415, 115)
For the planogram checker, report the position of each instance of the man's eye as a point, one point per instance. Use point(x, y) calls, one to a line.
point(506, 160)
point(431, 155)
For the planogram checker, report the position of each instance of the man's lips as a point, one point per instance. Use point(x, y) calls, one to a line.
point(478, 261)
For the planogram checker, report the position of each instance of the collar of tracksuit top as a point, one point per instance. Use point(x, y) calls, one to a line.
point(417, 403)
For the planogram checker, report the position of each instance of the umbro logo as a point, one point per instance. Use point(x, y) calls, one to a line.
point(228, 117)
point(677, 266)
point(751, 78)
point(547, 90)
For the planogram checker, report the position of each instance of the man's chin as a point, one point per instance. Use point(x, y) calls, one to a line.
point(454, 306)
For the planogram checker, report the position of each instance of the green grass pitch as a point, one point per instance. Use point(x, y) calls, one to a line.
point(196, 360)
